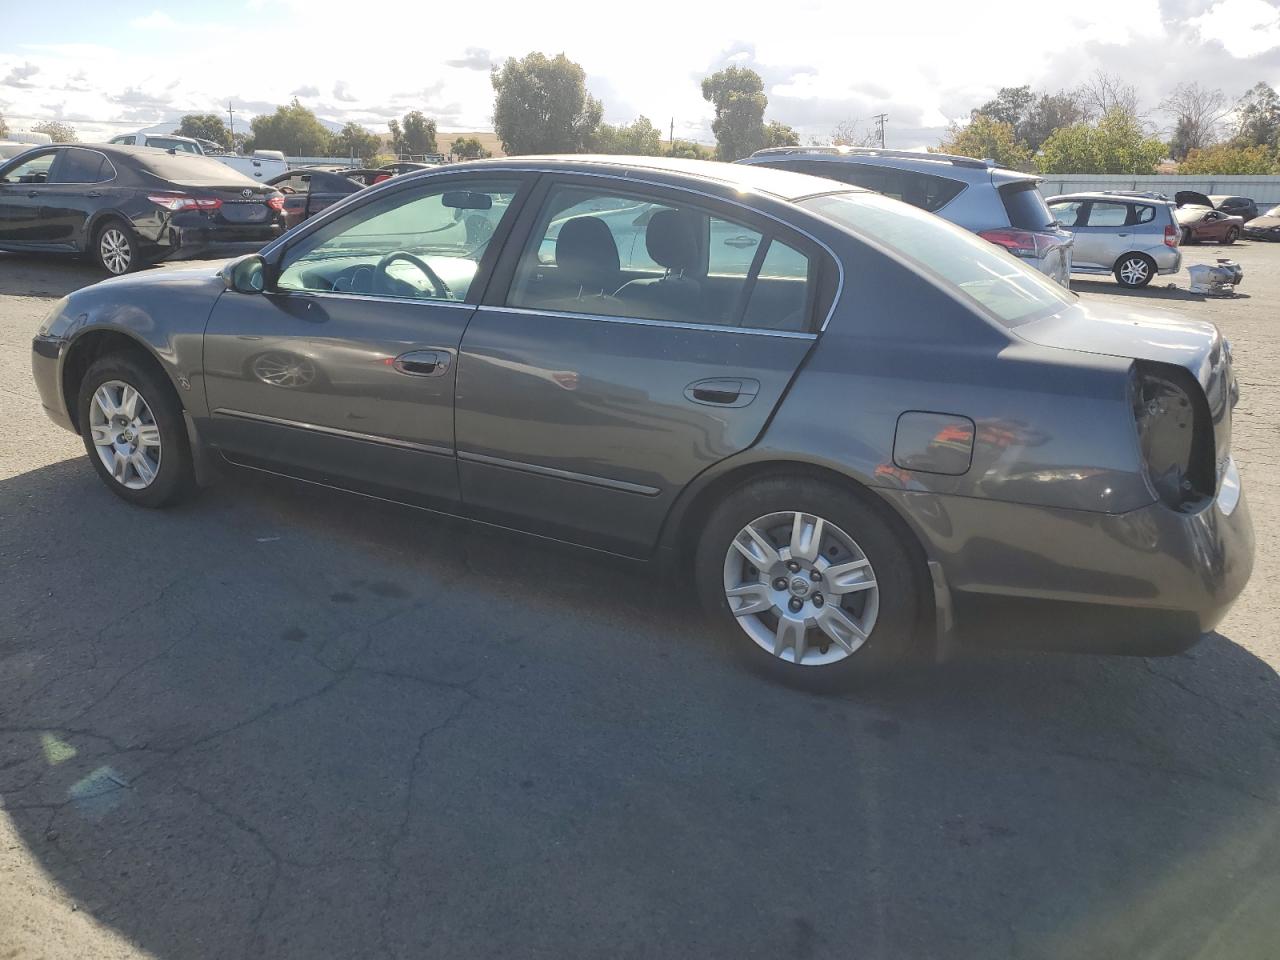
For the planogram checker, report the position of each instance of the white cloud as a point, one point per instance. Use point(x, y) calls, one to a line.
point(1245, 28)
point(155, 20)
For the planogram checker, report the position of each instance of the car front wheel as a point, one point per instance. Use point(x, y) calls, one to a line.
point(1232, 236)
point(811, 584)
point(134, 433)
point(1135, 270)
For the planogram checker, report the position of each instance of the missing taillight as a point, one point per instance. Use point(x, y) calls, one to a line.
point(1174, 433)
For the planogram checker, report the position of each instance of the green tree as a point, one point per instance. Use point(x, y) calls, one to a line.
point(1115, 144)
point(414, 136)
point(355, 141)
point(293, 129)
point(1049, 112)
point(1230, 159)
point(985, 138)
point(58, 131)
point(1010, 105)
point(1258, 117)
point(204, 126)
point(639, 138)
point(689, 150)
point(737, 93)
point(778, 134)
point(4, 128)
point(468, 148)
point(541, 105)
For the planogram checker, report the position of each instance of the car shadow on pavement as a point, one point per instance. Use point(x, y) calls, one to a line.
point(42, 275)
point(1152, 292)
point(282, 722)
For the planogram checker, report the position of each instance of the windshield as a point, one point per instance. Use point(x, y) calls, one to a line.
point(1008, 290)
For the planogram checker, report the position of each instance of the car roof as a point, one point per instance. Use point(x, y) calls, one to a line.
point(967, 169)
point(1109, 197)
point(783, 184)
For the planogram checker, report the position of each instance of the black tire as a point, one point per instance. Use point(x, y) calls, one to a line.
point(1187, 239)
point(174, 479)
point(1232, 236)
point(893, 640)
point(1134, 270)
point(113, 239)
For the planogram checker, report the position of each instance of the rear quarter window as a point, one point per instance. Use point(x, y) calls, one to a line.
point(923, 190)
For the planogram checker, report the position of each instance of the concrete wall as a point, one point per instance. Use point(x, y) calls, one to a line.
point(1264, 190)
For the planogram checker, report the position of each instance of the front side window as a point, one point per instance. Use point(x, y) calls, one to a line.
point(1007, 289)
point(621, 255)
point(32, 170)
point(83, 166)
point(1067, 212)
point(422, 244)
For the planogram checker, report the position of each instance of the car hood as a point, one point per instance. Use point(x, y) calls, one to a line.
point(1146, 333)
point(1263, 223)
point(206, 273)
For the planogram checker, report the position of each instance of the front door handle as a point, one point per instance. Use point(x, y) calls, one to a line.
point(33, 194)
point(423, 363)
point(723, 391)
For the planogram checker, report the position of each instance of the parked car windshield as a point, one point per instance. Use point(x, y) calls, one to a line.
point(1008, 290)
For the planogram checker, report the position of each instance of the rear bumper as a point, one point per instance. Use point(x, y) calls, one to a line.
point(1168, 260)
point(189, 241)
point(1148, 582)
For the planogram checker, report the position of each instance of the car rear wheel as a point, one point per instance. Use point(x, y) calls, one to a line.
point(810, 584)
point(1232, 236)
point(1135, 270)
point(133, 431)
point(115, 247)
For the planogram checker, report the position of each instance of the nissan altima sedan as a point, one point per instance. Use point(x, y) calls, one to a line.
point(860, 432)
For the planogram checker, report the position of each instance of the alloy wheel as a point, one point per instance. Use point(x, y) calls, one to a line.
point(1134, 271)
point(801, 588)
point(125, 434)
point(115, 250)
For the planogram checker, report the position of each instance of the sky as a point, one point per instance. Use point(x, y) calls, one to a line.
point(120, 66)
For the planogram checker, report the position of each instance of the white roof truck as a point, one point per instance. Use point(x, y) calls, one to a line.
point(262, 165)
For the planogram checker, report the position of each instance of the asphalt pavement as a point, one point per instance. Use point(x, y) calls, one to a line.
point(281, 722)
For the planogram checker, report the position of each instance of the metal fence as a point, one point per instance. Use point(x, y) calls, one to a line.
point(1264, 190)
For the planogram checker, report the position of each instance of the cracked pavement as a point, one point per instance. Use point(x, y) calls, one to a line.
point(281, 722)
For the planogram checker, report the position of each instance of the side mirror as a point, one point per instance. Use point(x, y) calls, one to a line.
point(246, 275)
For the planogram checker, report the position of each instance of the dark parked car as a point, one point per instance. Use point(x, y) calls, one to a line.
point(874, 433)
point(1206, 225)
point(1237, 206)
point(366, 176)
point(1265, 227)
point(407, 166)
point(129, 206)
point(307, 192)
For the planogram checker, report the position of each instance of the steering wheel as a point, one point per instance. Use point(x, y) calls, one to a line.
point(382, 280)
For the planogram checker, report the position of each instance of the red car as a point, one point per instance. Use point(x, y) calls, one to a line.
point(1200, 222)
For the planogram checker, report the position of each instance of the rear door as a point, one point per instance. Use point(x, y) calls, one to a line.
point(74, 193)
point(616, 357)
point(1108, 233)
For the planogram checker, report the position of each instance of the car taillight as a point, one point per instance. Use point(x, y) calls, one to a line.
point(180, 201)
point(276, 203)
point(1021, 243)
point(1171, 235)
point(1174, 434)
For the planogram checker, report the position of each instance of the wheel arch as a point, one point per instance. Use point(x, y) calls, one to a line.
point(95, 222)
point(97, 342)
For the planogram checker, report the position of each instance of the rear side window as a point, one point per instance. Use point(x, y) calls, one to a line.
point(83, 166)
point(1108, 214)
point(1025, 207)
point(923, 190)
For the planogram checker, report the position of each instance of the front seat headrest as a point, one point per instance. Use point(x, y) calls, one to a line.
point(586, 254)
point(672, 240)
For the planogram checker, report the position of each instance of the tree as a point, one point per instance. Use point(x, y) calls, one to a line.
point(468, 148)
point(1258, 116)
point(985, 138)
point(778, 134)
point(204, 126)
point(1010, 105)
point(1115, 144)
point(293, 129)
point(846, 135)
point(738, 96)
point(4, 129)
point(639, 138)
point(541, 105)
point(415, 137)
point(1196, 112)
point(58, 131)
point(1049, 112)
point(1106, 94)
point(689, 150)
point(355, 141)
point(1230, 159)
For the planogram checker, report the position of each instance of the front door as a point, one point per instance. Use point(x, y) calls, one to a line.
point(23, 185)
point(641, 339)
point(344, 370)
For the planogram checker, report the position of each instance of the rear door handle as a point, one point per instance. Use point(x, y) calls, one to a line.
point(723, 391)
point(423, 363)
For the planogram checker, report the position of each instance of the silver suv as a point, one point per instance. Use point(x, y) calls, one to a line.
point(999, 205)
point(1132, 237)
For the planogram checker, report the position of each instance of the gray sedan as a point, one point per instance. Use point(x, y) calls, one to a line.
point(860, 432)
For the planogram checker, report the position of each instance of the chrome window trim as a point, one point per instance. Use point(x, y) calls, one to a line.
point(645, 322)
point(335, 211)
point(367, 297)
point(587, 478)
point(335, 431)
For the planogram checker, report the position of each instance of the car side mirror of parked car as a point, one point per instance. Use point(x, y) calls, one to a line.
point(246, 275)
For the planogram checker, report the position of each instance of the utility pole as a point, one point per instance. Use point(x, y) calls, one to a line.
point(880, 118)
point(231, 127)
point(671, 137)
